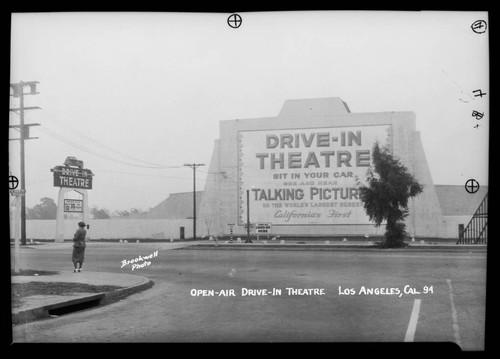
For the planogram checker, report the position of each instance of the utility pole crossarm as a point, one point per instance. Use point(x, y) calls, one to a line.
point(18, 89)
point(24, 131)
point(25, 138)
point(26, 108)
point(27, 124)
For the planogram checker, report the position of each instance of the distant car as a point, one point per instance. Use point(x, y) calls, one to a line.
point(73, 162)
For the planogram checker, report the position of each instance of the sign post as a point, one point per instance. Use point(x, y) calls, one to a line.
point(17, 237)
point(17, 226)
point(231, 226)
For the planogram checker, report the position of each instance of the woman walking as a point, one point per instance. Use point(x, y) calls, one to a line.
point(79, 247)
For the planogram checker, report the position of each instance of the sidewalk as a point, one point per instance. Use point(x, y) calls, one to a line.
point(337, 245)
point(38, 306)
point(96, 243)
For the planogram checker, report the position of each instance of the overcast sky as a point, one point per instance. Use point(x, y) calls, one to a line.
point(127, 91)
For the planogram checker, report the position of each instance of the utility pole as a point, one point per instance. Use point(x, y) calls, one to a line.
point(18, 91)
point(194, 166)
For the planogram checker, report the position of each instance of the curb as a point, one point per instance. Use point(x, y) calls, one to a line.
point(118, 294)
point(103, 298)
point(343, 247)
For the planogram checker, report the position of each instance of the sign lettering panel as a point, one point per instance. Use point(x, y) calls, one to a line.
point(73, 205)
point(263, 228)
point(72, 177)
point(306, 176)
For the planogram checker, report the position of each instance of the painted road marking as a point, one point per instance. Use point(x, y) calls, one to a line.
point(412, 326)
point(426, 256)
point(454, 316)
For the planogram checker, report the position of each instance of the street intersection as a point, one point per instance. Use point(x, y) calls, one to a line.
point(277, 296)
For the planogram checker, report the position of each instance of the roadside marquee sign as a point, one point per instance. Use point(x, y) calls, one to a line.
point(72, 176)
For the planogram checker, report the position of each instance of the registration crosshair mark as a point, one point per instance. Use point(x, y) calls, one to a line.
point(234, 21)
point(13, 182)
point(472, 186)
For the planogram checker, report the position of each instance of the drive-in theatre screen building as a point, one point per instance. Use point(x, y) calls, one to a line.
point(301, 171)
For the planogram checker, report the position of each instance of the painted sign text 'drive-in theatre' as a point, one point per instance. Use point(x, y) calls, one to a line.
point(72, 177)
point(306, 176)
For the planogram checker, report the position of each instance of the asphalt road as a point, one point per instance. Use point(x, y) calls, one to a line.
point(454, 311)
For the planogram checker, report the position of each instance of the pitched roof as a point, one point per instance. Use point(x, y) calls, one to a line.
point(176, 206)
point(456, 201)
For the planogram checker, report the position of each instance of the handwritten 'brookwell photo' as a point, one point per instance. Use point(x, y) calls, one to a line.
point(305, 176)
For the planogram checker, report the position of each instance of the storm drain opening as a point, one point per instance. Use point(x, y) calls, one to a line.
point(75, 307)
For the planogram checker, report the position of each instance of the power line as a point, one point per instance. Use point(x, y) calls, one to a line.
point(141, 174)
point(38, 182)
point(255, 180)
point(60, 123)
point(95, 153)
point(52, 118)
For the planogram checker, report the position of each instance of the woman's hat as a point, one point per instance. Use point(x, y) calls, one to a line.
point(81, 224)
